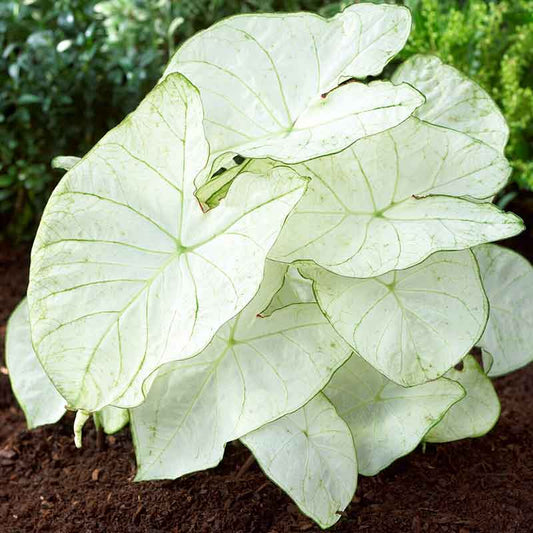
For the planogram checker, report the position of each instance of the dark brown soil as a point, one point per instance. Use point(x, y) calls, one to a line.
point(482, 485)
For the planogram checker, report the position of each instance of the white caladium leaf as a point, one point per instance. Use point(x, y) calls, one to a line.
point(35, 393)
point(127, 271)
point(412, 325)
point(265, 80)
point(476, 414)
point(387, 421)
point(254, 371)
point(508, 280)
point(389, 201)
point(453, 100)
point(113, 419)
point(310, 454)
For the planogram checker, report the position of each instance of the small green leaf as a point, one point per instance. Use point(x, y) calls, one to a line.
point(211, 193)
point(25, 99)
point(7, 180)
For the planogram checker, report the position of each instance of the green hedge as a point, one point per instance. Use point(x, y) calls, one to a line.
point(70, 70)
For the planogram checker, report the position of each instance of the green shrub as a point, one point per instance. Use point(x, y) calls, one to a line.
point(64, 82)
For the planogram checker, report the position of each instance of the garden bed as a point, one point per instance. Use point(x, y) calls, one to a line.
point(480, 485)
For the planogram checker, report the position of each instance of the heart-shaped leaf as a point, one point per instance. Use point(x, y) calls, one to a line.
point(254, 371)
point(387, 421)
point(389, 201)
point(310, 454)
point(269, 82)
point(127, 271)
point(412, 325)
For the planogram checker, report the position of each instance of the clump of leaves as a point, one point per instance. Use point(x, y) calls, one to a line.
point(273, 249)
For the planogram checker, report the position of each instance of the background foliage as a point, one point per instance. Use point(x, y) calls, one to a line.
point(72, 69)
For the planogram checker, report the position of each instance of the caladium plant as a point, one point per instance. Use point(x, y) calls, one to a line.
point(271, 248)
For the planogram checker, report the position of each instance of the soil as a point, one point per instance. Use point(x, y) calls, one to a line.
point(480, 485)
